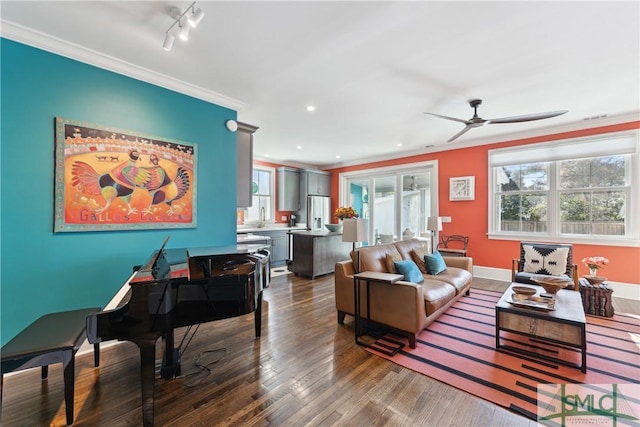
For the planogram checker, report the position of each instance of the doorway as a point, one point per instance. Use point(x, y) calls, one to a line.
point(396, 201)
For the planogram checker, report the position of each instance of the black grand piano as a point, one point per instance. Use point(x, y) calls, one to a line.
point(182, 287)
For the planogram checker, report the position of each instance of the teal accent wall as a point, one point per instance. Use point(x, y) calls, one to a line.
point(43, 272)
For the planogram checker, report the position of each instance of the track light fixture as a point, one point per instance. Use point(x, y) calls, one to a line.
point(190, 18)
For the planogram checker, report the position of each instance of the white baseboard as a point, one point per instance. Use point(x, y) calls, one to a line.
point(620, 289)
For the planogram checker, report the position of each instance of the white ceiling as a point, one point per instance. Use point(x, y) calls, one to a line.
point(370, 68)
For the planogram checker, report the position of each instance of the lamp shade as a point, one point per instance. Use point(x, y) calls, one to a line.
point(354, 230)
point(434, 223)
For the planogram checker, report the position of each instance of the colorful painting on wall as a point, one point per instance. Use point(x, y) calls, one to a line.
point(110, 179)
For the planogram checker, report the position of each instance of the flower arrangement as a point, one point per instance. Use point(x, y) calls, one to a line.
point(594, 263)
point(346, 212)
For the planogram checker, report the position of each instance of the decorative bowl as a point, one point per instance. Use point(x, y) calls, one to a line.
point(552, 285)
point(595, 280)
point(334, 227)
point(523, 290)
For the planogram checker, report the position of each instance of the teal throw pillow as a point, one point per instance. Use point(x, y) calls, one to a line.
point(409, 270)
point(435, 263)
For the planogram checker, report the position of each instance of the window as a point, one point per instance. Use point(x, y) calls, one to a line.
point(396, 201)
point(263, 195)
point(572, 190)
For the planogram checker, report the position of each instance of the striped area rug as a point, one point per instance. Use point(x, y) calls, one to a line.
point(459, 349)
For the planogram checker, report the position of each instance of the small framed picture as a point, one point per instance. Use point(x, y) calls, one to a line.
point(462, 188)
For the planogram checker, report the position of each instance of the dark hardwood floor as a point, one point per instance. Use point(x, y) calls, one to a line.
point(305, 370)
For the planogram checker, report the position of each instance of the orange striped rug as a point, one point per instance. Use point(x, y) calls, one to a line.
point(459, 349)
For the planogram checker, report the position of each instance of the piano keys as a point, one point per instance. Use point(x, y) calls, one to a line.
point(182, 287)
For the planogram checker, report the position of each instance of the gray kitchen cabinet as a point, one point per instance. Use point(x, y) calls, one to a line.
point(245, 164)
point(315, 183)
point(316, 253)
point(288, 189)
point(279, 245)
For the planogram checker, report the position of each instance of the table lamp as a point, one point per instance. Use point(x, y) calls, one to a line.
point(434, 224)
point(354, 230)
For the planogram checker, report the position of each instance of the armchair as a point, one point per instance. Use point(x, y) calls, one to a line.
point(544, 259)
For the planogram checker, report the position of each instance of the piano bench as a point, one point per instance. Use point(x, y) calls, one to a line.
point(53, 338)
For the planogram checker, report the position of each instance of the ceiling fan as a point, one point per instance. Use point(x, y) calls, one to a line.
point(476, 121)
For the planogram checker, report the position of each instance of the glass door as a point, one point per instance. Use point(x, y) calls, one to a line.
point(396, 202)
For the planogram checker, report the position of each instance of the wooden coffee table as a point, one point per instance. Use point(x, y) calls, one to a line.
point(565, 325)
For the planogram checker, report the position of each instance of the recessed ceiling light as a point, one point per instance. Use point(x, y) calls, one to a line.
point(400, 145)
point(299, 147)
point(311, 108)
point(267, 155)
point(337, 157)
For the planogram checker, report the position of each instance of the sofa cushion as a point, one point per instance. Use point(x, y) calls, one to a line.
point(545, 259)
point(456, 277)
point(436, 294)
point(372, 258)
point(409, 270)
point(390, 260)
point(417, 255)
point(404, 247)
point(435, 263)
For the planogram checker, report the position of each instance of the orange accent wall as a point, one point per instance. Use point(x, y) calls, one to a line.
point(470, 217)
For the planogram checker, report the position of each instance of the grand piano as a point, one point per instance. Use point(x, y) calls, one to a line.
point(176, 288)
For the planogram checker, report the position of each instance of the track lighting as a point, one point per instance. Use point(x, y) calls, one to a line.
point(191, 17)
point(184, 32)
point(168, 42)
point(195, 17)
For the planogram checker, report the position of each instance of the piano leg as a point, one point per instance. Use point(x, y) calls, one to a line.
point(171, 358)
point(147, 380)
point(257, 316)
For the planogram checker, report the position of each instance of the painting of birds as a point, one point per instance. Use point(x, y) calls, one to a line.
point(123, 180)
point(163, 189)
point(120, 182)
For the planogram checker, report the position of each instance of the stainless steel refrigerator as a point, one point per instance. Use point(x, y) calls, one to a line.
point(318, 212)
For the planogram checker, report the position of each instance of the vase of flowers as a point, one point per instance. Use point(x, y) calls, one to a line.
point(595, 263)
point(345, 213)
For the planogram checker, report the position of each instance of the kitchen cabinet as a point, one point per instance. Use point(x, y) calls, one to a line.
point(315, 183)
point(279, 241)
point(245, 164)
point(288, 189)
point(316, 253)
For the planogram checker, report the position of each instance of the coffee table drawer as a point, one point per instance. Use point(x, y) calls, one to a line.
point(542, 328)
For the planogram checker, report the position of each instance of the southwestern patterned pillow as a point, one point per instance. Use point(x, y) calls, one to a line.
point(545, 259)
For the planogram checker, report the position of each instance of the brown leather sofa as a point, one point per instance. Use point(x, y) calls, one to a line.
point(405, 307)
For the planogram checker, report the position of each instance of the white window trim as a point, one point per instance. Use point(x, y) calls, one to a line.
point(626, 143)
point(343, 179)
point(272, 192)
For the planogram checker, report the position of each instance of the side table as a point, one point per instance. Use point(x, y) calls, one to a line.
point(596, 299)
point(368, 277)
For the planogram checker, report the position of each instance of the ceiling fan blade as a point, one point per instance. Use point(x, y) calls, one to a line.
point(466, 128)
point(466, 122)
point(528, 117)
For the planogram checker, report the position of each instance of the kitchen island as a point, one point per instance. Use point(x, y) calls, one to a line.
point(315, 253)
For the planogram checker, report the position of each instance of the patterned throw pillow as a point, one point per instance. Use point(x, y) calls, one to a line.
point(417, 255)
point(435, 263)
point(390, 259)
point(545, 260)
point(409, 270)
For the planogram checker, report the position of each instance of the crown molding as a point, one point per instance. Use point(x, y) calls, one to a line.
point(37, 39)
